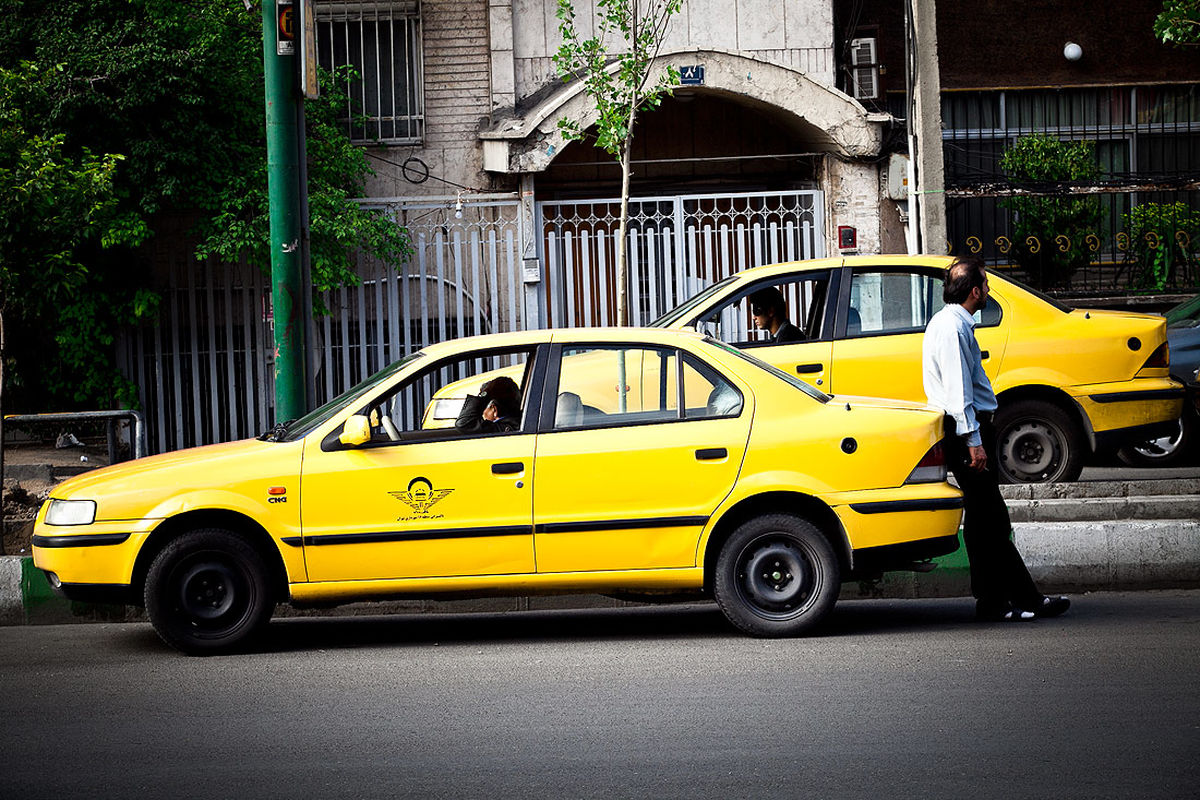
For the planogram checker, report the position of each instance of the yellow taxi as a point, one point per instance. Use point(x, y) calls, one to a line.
point(1069, 381)
point(706, 471)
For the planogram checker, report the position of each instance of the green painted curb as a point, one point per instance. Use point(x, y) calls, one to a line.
point(43, 606)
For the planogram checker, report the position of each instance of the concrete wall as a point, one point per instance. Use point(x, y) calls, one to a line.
point(458, 104)
point(795, 34)
point(852, 198)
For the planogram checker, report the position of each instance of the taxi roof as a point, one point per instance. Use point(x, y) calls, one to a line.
point(563, 335)
point(894, 259)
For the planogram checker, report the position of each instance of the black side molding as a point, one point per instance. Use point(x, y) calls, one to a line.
point(82, 540)
point(890, 506)
point(1153, 394)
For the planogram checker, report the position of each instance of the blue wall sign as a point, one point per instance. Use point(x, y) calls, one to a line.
point(691, 76)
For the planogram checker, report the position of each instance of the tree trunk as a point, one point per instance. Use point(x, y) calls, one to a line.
point(622, 260)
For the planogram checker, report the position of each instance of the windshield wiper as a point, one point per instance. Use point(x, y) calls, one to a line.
point(276, 433)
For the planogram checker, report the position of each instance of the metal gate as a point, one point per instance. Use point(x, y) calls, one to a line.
point(676, 246)
point(205, 371)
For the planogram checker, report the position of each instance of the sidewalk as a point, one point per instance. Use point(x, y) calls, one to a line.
point(1075, 537)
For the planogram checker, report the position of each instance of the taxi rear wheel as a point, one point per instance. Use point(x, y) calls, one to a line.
point(777, 575)
point(207, 592)
point(1037, 442)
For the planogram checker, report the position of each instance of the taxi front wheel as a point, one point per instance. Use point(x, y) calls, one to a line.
point(207, 592)
point(777, 575)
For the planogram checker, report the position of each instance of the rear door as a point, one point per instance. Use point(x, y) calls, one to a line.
point(632, 486)
point(880, 325)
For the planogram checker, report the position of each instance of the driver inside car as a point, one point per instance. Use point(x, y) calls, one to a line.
point(496, 409)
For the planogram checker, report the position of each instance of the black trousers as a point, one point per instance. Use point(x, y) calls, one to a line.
point(998, 573)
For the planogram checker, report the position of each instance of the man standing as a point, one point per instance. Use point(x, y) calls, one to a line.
point(770, 315)
point(955, 382)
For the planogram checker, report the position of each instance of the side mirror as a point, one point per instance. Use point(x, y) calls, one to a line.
point(356, 431)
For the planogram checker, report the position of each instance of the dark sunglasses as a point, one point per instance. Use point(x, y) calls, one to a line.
point(758, 311)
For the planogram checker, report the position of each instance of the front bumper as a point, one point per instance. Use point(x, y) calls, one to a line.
point(88, 558)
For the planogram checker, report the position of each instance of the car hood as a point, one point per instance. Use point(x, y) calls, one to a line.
point(133, 489)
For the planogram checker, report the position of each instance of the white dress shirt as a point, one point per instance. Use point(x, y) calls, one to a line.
point(952, 370)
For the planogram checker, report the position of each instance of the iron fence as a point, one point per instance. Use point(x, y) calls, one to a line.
point(1078, 190)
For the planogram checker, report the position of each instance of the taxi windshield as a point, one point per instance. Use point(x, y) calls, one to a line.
point(689, 306)
point(314, 419)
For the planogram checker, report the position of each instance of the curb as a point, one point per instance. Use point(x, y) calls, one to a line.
point(1076, 556)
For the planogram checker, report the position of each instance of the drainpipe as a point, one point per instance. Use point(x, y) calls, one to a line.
point(927, 188)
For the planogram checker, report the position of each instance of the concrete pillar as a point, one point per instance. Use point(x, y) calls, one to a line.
point(531, 265)
point(928, 198)
point(500, 46)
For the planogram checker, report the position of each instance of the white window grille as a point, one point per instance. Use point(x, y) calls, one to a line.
point(382, 42)
point(864, 69)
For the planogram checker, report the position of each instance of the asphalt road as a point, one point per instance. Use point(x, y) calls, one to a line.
point(894, 699)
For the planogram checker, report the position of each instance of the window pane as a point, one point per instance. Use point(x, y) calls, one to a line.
point(433, 399)
point(602, 386)
point(707, 394)
point(891, 302)
point(382, 43)
point(804, 307)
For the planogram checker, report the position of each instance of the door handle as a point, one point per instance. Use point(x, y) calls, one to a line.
point(507, 468)
point(983, 354)
point(804, 369)
point(711, 453)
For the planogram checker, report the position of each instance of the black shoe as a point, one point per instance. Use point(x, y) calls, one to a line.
point(1052, 606)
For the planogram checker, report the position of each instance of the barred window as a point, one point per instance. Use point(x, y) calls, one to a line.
point(382, 41)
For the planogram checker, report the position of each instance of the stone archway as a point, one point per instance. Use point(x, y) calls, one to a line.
point(829, 120)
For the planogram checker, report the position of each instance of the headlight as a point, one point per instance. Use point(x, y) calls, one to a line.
point(71, 512)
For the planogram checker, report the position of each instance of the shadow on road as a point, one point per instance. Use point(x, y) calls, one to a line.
point(638, 623)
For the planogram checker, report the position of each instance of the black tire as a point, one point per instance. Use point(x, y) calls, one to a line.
point(1037, 442)
point(777, 575)
point(207, 592)
point(1165, 451)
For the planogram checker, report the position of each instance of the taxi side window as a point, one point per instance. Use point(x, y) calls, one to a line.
point(430, 403)
point(604, 386)
point(616, 385)
point(706, 393)
point(804, 302)
point(899, 302)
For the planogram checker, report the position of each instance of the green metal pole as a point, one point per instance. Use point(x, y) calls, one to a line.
point(283, 187)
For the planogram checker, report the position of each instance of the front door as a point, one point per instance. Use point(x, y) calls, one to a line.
point(808, 299)
point(423, 499)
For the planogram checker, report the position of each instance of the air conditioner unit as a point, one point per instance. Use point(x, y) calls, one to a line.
point(865, 82)
point(862, 53)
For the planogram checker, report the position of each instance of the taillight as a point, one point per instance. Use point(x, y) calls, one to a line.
point(1160, 358)
point(931, 468)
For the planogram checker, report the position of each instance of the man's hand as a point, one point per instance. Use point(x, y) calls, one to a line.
point(491, 413)
point(978, 458)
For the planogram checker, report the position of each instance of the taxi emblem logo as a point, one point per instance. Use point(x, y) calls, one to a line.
point(421, 496)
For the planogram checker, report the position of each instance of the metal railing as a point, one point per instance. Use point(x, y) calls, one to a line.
point(137, 439)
